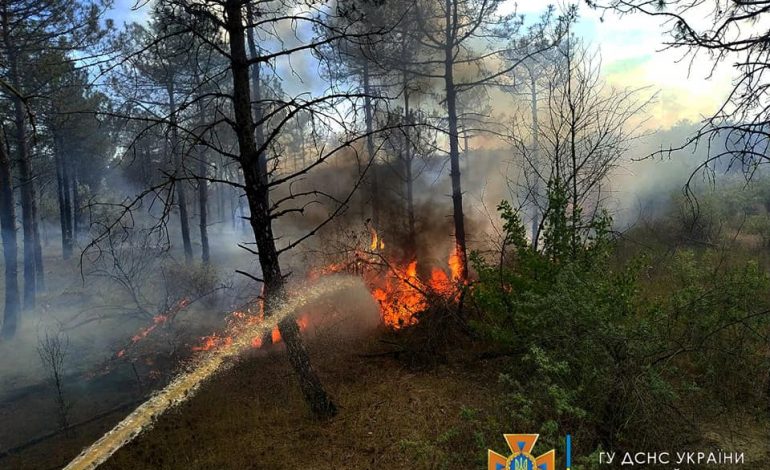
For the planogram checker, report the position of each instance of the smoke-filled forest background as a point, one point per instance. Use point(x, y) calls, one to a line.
point(380, 233)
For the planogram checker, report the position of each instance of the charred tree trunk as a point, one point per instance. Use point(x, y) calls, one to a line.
point(32, 262)
point(203, 189)
point(65, 208)
point(573, 155)
point(220, 194)
point(368, 116)
point(411, 226)
point(60, 199)
point(39, 273)
point(234, 200)
point(68, 212)
point(536, 215)
point(257, 193)
point(256, 110)
point(454, 146)
point(10, 253)
point(181, 194)
point(77, 208)
point(27, 201)
point(203, 203)
point(256, 107)
point(408, 174)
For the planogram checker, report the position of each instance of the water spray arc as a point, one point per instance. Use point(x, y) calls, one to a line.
point(185, 385)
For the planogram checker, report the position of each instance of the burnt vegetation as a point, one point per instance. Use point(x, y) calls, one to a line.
point(169, 185)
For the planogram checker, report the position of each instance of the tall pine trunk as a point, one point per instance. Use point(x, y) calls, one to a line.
point(77, 208)
point(26, 189)
point(256, 107)
point(65, 207)
point(458, 216)
point(220, 192)
point(179, 185)
point(39, 273)
point(203, 201)
point(368, 117)
point(256, 110)
point(257, 193)
point(573, 154)
point(535, 156)
point(10, 253)
point(27, 193)
point(203, 198)
point(203, 188)
point(409, 175)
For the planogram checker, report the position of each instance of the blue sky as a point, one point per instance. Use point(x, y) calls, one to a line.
point(632, 55)
point(128, 11)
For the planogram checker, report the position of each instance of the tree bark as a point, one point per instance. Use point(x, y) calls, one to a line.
point(26, 189)
point(203, 199)
point(181, 194)
point(256, 106)
point(408, 173)
point(39, 273)
point(535, 161)
point(368, 117)
point(220, 194)
point(27, 201)
point(257, 193)
point(60, 199)
point(454, 146)
point(234, 202)
point(65, 207)
point(573, 154)
point(77, 209)
point(10, 251)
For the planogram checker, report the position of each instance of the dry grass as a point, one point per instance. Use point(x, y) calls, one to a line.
point(390, 417)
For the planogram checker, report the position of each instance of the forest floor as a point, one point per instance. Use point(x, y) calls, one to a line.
point(252, 416)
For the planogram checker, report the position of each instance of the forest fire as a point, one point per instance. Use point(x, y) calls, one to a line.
point(400, 298)
point(401, 290)
point(187, 383)
point(240, 321)
point(377, 243)
point(456, 264)
point(402, 294)
point(398, 287)
point(157, 321)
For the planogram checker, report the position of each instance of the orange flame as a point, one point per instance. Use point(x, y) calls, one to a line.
point(456, 266)
point(209, 343)
point(440, 282)
point(400, 297)
point(237, 321)
point(399, 291)
point(377, 242)
point(157, 320)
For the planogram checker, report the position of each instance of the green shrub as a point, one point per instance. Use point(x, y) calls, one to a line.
point(603, 352)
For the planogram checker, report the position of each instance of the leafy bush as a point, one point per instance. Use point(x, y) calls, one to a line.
point(604, 351)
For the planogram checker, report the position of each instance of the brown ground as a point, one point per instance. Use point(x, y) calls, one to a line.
point(253, 417)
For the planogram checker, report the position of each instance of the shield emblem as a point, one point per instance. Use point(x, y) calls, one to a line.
point(521, 459)
point(521, 462)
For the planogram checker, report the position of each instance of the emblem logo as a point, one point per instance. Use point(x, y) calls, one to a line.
point(521, 446)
